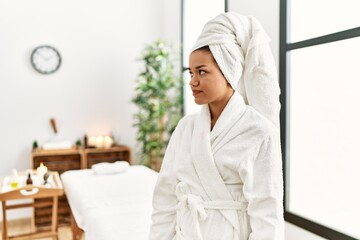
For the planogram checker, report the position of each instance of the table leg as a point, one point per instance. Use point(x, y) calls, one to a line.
point(76, 231)
point(54, 216)
point(4, 227)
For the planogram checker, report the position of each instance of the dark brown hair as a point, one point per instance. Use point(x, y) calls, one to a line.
point(204, 48)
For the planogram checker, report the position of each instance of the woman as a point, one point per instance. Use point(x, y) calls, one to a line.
point(221, 176)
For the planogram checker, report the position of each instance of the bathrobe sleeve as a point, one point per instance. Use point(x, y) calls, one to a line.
point(263, 189)
point(164, 199)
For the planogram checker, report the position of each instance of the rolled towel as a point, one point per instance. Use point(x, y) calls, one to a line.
point(240, 47)
point(57, 145)
point(110, 168)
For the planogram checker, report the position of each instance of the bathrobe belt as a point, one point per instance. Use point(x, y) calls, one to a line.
point(196, 205)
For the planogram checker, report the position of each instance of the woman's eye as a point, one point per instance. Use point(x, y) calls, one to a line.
point(201, 72)
point(191, 74)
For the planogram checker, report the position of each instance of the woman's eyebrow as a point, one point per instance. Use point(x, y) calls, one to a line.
point(200, 66)
point(197, 67)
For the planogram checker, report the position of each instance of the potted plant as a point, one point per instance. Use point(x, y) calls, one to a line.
point(158, 97)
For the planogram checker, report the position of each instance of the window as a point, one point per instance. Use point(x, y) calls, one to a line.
point(320, 117)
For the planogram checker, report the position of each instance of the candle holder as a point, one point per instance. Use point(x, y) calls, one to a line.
point(41, 170)
point(100, 141)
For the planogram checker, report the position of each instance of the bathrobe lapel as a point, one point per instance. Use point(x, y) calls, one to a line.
point(202, 155)
point(223, 130)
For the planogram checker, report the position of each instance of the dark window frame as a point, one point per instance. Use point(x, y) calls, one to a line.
point(285, 47)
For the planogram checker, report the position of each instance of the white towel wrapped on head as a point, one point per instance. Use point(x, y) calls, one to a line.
point(240, 47)
point(110, 168)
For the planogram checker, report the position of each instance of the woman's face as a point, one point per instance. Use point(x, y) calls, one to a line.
point(207, 81)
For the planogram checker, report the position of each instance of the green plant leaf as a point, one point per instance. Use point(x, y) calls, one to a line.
point(159, 101)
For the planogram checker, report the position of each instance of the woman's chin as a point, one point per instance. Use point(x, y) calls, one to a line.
point(199, 101)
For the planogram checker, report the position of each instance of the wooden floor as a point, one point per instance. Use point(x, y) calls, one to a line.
point(24, 226)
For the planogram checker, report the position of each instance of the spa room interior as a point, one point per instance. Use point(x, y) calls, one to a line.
point(91, 92)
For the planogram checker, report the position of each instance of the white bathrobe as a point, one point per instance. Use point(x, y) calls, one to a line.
point(221, 184)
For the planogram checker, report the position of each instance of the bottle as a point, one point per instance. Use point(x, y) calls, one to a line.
point(86, 141)
point(29, 180)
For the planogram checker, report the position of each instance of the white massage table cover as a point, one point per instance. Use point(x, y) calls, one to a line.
point(114, 206)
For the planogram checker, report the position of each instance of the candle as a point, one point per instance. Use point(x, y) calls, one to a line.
point(108, 142)
point(99, 141)
point(92, 141)
point(41, 170)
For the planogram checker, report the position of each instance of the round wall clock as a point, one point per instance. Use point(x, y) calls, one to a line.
point(45, 59)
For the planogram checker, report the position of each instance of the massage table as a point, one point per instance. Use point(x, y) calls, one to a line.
point(110, 206)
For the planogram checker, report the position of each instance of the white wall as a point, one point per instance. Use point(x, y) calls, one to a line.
point(171, 16)
point(268, 13)
point(100, 42)
point(171, 29)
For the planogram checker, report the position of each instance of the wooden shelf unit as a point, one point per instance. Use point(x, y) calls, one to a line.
point(71, 159)
point(92, 156)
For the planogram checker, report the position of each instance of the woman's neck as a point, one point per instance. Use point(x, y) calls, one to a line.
point(217, 107)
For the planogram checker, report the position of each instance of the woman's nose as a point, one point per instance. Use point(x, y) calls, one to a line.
point(194, 82)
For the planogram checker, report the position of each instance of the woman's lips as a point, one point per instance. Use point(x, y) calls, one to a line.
point(196, 92)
